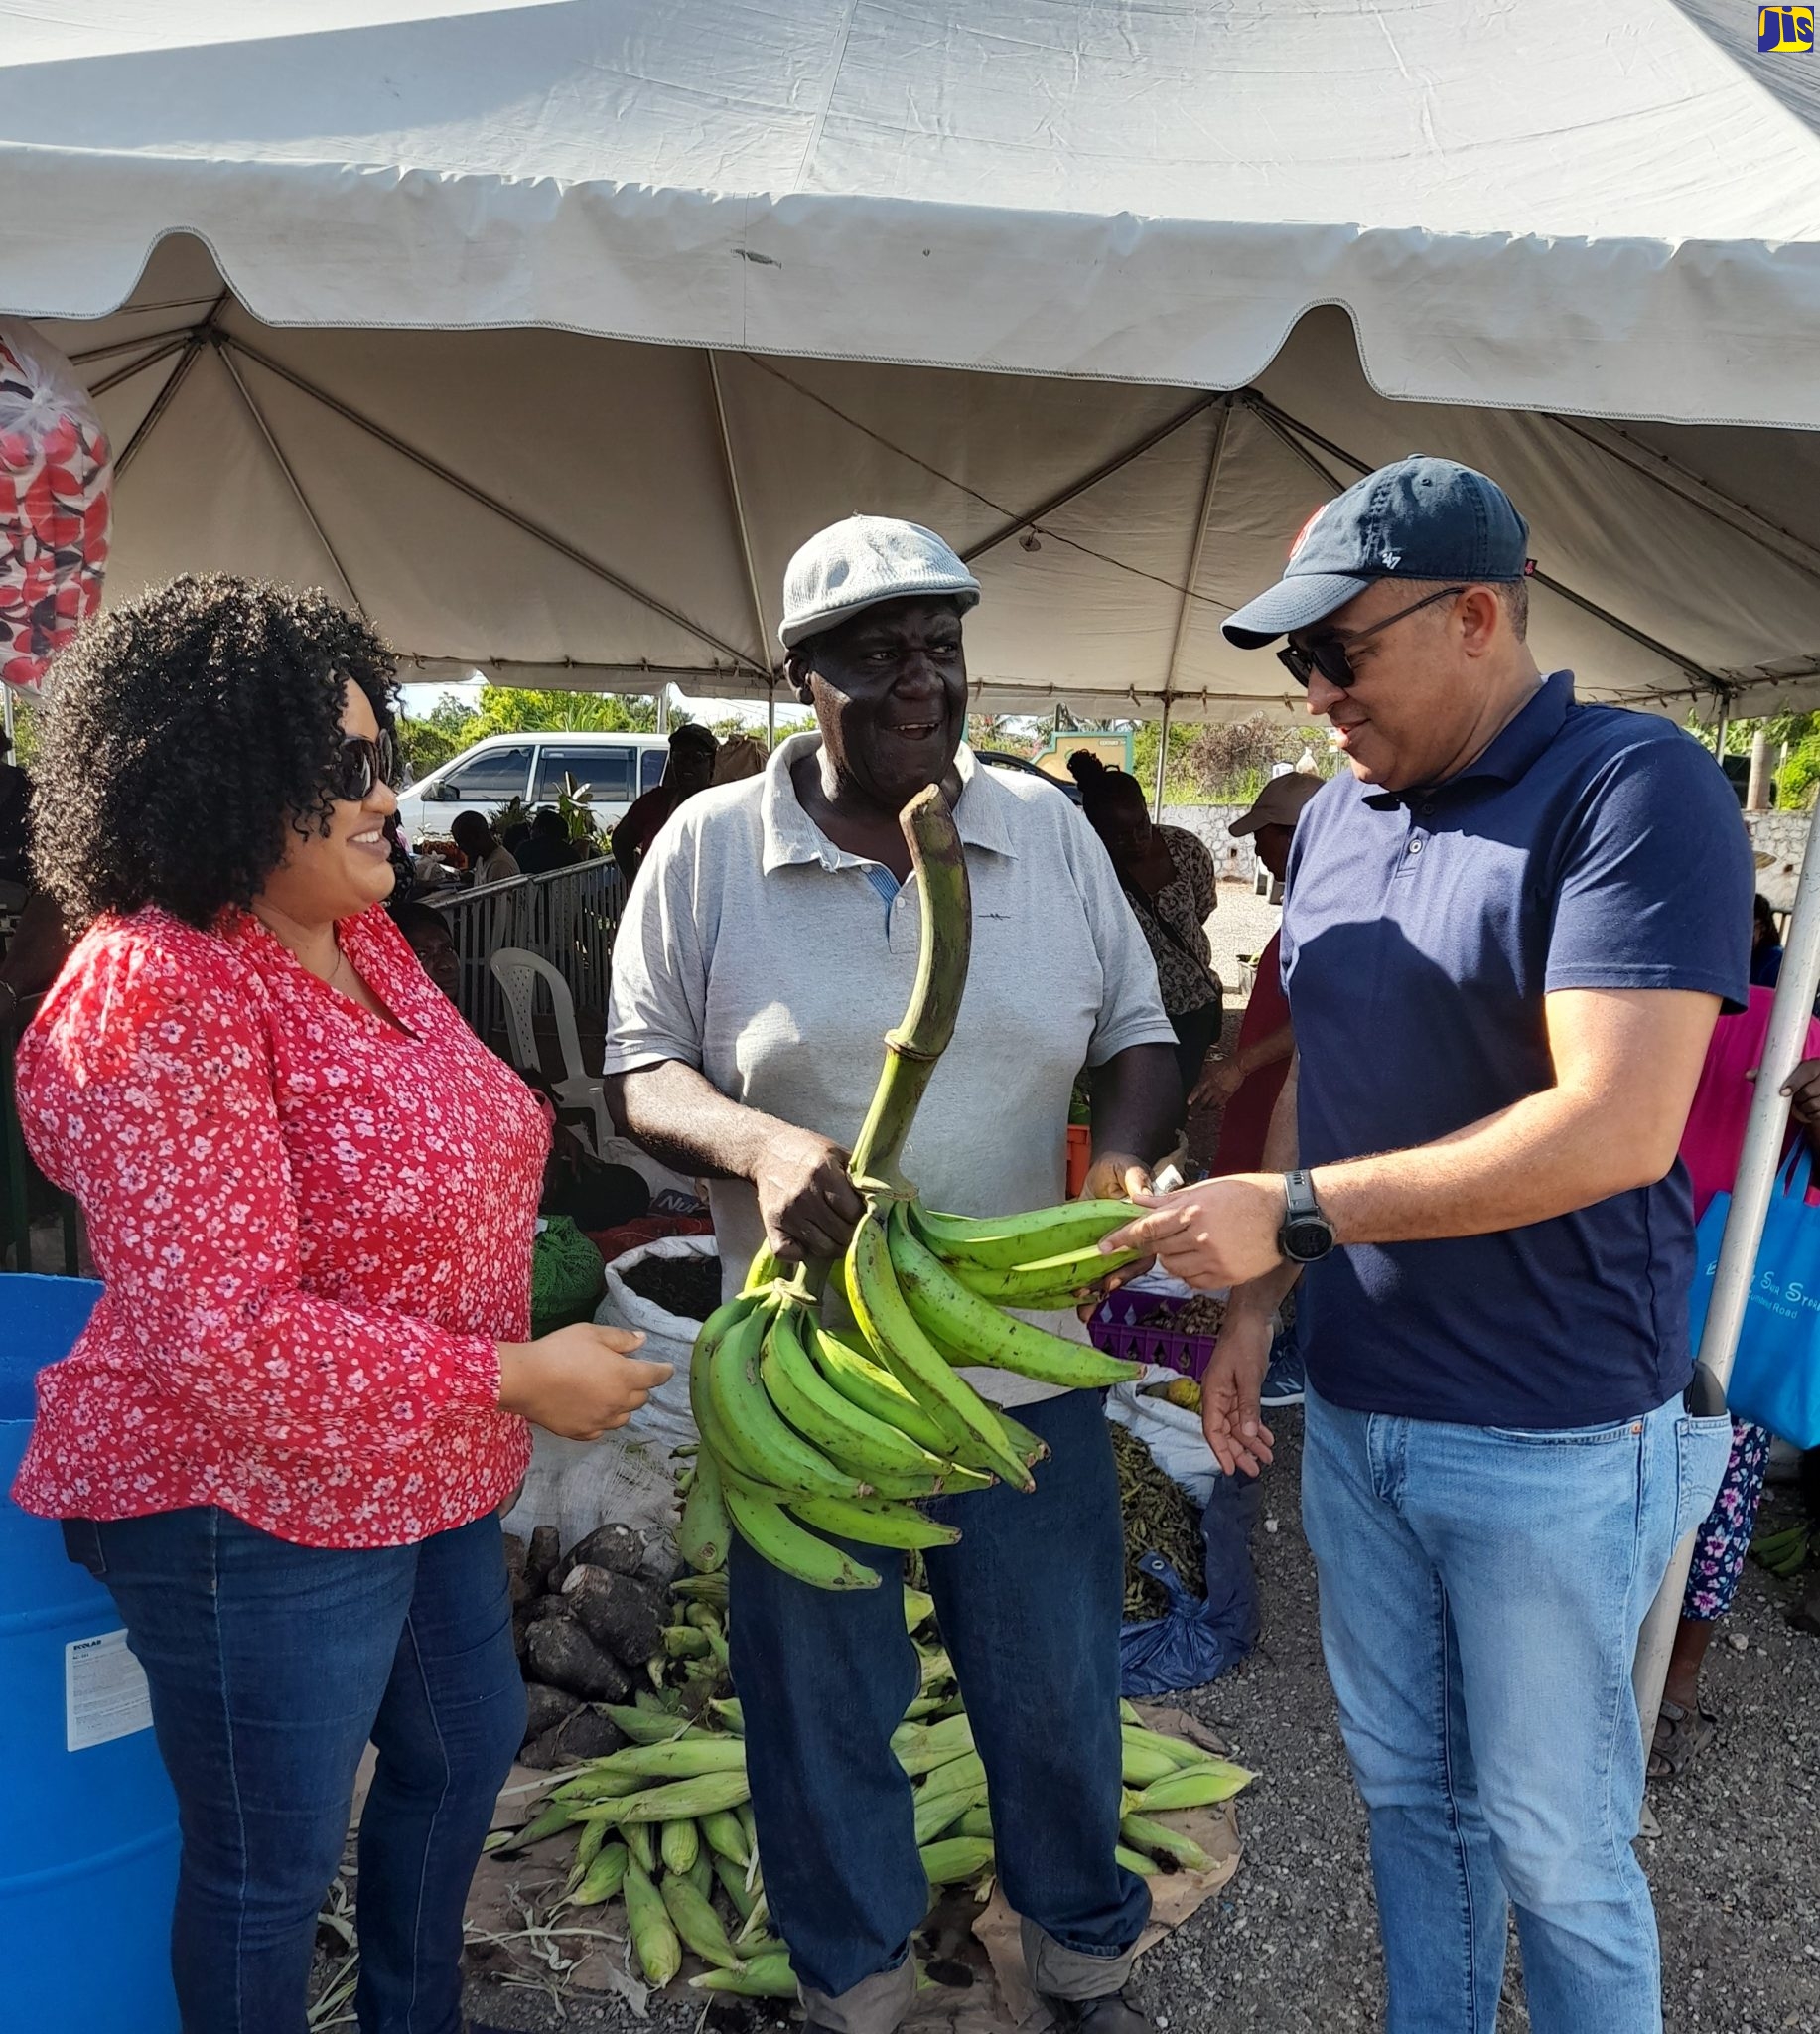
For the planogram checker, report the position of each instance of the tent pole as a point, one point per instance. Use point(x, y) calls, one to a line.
point(108, 383)
point(1162, 755)
point(198, 338)
point(739, 505)
point(1222, 423)
point(1075, 489)
point(1278, 419)
point(771, 716)
point(285, 468)
point(1758, 1165)
point(544, 535)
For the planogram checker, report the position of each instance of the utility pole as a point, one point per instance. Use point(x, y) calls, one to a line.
point(1756, 798)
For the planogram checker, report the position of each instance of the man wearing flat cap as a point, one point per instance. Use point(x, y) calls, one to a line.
point(767, 947)
point(1508, 932)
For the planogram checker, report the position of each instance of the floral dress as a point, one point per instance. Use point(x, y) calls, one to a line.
point(313, 1227)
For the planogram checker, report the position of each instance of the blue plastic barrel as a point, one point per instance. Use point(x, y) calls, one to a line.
point(88, 1820)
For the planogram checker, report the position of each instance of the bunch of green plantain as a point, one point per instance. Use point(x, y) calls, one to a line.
point(800, 1429)
point(664, 1825)
point(1784, 1552)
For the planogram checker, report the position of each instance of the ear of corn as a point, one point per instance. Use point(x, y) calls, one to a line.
point(658, 1946)
point(605, 1876)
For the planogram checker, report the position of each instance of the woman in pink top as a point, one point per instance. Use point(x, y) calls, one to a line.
point(1710, 1149)
point(284, 1438)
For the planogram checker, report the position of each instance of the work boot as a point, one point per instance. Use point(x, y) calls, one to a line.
point(1113, 2013)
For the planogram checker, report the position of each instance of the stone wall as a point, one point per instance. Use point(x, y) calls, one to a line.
point(1237, 860)
point(1784, 836)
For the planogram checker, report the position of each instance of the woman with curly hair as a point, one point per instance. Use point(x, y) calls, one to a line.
point(283, 1439)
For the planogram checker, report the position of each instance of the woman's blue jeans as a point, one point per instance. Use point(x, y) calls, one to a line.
point(270, 1667)
point(1029, 1603)
point(1481, 1591)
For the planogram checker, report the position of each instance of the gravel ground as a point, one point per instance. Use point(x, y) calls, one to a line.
point(1291, 1945)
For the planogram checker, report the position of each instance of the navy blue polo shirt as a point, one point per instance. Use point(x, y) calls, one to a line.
point(1588, 848)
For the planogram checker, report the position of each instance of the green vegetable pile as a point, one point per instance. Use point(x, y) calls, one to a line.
point(1159, 1517)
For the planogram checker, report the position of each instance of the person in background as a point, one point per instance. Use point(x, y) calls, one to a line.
point(770, 941)
point(1710, 1147)
point(1508, 936)
point(1805, 1617)
point(427, 934)
point(1247, 1085)
point(15, 829)
point(283, 1439)
point(1766, 945)
point(741, 756)
point(549, 846)
point(693, 752)
point(1169, 880)
point(489, 861)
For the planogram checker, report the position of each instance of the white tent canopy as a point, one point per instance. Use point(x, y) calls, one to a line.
point(547, 332)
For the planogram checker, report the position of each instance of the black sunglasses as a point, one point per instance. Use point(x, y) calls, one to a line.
point(1328, 654)
point(360, 763)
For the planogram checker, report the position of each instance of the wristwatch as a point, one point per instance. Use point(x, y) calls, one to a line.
point(1307, 1235)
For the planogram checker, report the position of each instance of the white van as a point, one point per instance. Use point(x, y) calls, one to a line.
point(616, 768)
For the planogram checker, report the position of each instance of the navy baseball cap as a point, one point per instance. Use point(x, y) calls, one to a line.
point(1421, 518)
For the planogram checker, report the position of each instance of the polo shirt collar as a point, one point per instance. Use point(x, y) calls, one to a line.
point(1512, 750)
point(790, 835)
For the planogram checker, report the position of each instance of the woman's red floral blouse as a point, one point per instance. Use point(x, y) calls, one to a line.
point(313, 1227)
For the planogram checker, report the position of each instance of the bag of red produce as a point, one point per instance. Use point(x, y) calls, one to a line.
point(56, 502)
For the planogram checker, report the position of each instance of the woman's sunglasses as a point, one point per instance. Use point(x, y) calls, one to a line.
point(360, 763)
point(1328, 654)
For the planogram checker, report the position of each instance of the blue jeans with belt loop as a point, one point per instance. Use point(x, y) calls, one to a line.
point(1482, 1593)
point(270, 1666)
point(1029, 1602)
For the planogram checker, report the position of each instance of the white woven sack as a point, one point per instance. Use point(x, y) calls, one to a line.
point(626, 1477)
point(1172, 1433)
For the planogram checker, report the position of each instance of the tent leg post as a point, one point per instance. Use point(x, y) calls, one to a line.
point(1757, 1164)
point(771, 716)
point(1161, 756)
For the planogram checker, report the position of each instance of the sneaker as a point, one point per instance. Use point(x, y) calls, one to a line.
point(1112, 2014)
point(1284, 1382)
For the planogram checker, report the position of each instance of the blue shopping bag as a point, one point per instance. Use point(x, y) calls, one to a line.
point(1775, 1380)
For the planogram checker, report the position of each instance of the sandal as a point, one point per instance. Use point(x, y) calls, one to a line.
point(1680, 1737)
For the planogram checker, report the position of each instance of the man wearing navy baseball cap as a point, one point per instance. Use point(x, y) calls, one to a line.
point(1508, 932)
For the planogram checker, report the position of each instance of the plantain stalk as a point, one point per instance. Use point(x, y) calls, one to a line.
point(913, 1047)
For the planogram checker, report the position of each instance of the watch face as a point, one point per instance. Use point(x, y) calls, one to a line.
point(1306, 1240)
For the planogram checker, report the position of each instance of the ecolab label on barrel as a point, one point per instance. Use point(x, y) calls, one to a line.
point(105, 1692)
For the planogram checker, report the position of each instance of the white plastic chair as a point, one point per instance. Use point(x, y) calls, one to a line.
point(518, 970)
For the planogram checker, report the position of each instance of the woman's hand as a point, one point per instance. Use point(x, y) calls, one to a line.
point(1220, 1080)
point(580, 1383)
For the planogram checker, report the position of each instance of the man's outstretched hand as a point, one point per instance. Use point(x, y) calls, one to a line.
point(1229, 1415)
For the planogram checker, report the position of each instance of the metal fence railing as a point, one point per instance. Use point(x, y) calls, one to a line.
point(569, 917)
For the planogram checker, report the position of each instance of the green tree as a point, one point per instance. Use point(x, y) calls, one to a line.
point(510, 710)
point(452, 725)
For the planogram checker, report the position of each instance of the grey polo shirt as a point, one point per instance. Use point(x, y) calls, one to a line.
point(757, 951)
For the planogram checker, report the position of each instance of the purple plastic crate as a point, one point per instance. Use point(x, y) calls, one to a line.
point(1117, 1330)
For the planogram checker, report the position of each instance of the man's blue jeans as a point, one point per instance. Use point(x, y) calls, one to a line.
point(1481, 1591)
point(270, 1666)
point(1028, 1603)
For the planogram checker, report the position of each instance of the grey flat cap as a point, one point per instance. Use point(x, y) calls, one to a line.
point(857, 564)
